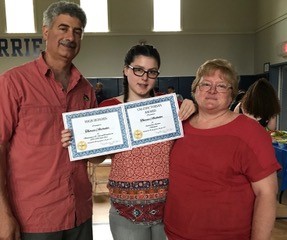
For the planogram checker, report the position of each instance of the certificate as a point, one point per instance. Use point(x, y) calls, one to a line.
point(97, 132)
point(118, 128)
point(153, 120)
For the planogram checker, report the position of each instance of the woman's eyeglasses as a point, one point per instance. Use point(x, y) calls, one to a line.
point(220, 87)
point(140, 72)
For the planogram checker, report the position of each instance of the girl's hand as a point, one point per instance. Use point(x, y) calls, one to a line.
point(66, 137)
point(187, 108)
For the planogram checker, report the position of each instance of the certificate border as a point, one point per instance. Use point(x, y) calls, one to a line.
point(178, 125)
point(96, 152)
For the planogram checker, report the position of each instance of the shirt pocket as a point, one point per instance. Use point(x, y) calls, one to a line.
point(42, 125)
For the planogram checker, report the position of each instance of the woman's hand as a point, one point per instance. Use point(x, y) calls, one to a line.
point(187, 108)
point(66, 137)
point(9, 228)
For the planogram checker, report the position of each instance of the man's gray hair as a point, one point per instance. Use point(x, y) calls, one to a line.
point(63, 7)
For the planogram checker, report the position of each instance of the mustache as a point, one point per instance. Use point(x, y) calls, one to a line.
point(68, 43)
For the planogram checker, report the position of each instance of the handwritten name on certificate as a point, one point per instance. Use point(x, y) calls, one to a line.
point(118, 128)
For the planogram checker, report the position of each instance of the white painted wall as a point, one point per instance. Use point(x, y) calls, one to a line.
point(103, 56)
point(246, 32)
point(270, 33)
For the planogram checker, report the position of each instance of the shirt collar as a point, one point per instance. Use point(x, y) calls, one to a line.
point(44, 69)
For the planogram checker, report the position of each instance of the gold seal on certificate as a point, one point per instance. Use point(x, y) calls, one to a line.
point(82, 145)
point(138, 134)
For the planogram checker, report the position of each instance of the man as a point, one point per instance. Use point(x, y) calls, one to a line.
point(99, 92)
point(42, 194)
point(157, 92)
point(170, 89)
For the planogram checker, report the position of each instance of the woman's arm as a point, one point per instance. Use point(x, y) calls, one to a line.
point(9, 228)
point(264, 213)
point(236, 109)
point(272, 123)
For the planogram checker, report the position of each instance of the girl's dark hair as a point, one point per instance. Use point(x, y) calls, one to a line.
point(138, 50)
point(261, 100)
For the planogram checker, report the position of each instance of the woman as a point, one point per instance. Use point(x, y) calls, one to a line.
point(260, 103)
point(237, 99)
point(138, 179)
point(223, 180)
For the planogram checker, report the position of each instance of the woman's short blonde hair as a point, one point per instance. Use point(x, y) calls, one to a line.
point(228, 73)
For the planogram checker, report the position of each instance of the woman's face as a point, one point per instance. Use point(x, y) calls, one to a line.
point(218, 97)
point(140, 86)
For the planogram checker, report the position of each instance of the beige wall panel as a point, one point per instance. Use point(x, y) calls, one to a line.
point(218, 16)
point(267, 45)
point(130, 16)
point(269, 11)
point(181, 55)
point(102, 56)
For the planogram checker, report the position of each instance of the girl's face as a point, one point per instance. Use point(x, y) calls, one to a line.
point(140, 86)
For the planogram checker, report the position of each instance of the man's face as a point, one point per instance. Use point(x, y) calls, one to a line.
point(63, 38)
point(98, 88)
point(170, 90)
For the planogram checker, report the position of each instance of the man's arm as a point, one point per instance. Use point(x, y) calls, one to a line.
point(9, 228)
point(264, 214)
